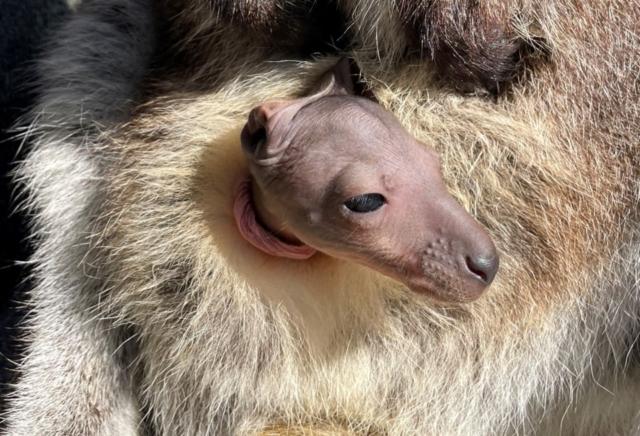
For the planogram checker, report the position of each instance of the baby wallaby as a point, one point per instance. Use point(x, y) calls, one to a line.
point(335, 172)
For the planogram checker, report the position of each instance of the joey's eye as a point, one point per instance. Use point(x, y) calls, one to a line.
point(258, 139)
point(364, 203)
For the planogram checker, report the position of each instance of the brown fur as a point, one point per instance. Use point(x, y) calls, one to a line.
point(296, 26)
point(472, 43)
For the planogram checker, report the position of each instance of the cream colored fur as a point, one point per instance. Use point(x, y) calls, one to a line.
point(224, 339)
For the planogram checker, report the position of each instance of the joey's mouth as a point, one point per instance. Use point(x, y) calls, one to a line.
point(256, 233)
point(441, 284)
point(442, 281)
point(448, 290)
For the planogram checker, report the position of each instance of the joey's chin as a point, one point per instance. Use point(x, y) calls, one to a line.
point(447, 292)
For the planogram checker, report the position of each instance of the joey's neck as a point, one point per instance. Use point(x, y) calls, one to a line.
point(269, 218)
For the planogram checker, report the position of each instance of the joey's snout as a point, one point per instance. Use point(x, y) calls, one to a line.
point(449, 272)
point(458, 259)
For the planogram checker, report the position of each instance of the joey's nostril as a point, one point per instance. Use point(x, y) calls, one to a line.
point(483, 268)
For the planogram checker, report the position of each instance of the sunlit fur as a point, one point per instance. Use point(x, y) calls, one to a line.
point(152, 312)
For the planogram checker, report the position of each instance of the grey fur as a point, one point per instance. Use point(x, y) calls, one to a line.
point(88, 81)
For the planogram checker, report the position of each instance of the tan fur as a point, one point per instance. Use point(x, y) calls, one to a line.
point(325, 430)
point(230, 340)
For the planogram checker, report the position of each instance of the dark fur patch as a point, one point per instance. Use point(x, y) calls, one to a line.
point(306, 26)
point(471, 42)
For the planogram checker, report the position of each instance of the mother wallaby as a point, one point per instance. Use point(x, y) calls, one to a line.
point(154, 313)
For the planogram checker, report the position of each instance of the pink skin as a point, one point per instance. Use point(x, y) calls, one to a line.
point(312, 161)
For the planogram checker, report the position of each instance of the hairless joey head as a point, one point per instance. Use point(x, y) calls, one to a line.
point(337, 173)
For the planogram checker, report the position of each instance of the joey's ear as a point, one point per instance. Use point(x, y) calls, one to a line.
point(344, 79)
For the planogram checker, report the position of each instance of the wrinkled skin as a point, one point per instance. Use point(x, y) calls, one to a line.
point(336, 172)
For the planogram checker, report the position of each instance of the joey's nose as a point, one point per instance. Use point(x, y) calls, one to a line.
point(483, 267)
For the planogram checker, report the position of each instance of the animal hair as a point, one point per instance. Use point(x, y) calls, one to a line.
point(151, 315)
